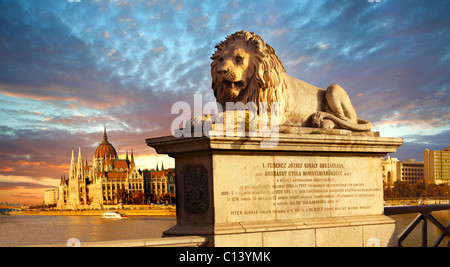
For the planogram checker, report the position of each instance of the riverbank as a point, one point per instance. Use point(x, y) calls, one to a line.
point(415, 201)
point(144, 212)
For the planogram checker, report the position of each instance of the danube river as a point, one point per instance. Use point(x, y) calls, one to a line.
point(41, 230)
point(415, 237)
point(18, 230)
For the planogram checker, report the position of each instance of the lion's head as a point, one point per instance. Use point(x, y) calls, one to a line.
point(246, 69)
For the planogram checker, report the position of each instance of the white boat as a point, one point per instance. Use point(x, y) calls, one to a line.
point(113, 215)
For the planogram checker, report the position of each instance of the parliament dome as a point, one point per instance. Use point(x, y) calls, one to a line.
point(105, 149)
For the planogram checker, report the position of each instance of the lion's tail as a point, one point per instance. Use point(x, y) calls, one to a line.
point(361, 126)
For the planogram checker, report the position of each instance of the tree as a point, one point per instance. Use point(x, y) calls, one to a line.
point(403, 189)
point(433, 190)
point(420, 189)
point(138, 198)
point(173, 198)
point(388, 192)
point(438, 190)
point(443, 191)
point(121, 195)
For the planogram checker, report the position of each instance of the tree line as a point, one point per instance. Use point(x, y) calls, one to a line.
point(420, 189)
point(145, 198)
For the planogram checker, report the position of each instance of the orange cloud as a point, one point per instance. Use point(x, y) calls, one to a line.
point(36, 96)
point(60, 93)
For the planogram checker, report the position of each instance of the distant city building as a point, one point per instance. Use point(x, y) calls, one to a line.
point(389, 171)
point(437, 166)
point(110, 180)
point(435, 169)
point(51, 196)
point(409, 171)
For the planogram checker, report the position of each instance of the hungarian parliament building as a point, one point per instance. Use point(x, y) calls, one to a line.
point(111, 181)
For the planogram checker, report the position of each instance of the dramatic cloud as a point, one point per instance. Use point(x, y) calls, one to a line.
point(18, 185)
point(69, 68)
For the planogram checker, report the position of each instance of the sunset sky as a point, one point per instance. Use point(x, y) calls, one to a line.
point(69, 68)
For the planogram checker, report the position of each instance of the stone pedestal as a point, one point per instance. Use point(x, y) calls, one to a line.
point(306, 190)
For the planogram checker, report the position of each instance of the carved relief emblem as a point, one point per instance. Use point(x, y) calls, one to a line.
point(196, 197)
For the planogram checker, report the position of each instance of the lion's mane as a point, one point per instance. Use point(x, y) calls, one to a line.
point(269, 80)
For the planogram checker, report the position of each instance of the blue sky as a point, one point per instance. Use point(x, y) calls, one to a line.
point(66, 69)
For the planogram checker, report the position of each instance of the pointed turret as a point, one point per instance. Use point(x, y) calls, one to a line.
point(72, 167)
point(105, 137)
point(132, 157)
point(80, 160)
point(86, 165)
point(162, 166)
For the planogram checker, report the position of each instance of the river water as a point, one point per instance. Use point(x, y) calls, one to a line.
point(415, 237)
point(41, 230)
point(18, 230)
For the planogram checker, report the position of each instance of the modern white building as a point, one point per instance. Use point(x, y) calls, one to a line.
point(51, 196)
point(437, 166)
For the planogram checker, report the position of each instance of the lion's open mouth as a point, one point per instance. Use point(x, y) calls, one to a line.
point(234, 85)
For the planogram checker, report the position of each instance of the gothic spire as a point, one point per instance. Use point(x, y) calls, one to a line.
point(105, 137)
point(132, 157)
point(72, 166)
point(80, 159)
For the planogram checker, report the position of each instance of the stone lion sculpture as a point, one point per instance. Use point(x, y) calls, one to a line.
point(246, 69)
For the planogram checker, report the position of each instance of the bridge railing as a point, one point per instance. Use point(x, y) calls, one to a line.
point(424, 216)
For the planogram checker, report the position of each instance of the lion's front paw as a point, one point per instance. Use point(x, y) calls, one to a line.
point(319, 121)
point(197, 121)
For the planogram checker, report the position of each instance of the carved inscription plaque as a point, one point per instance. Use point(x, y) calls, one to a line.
point(285, 187)
point(196, 189)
